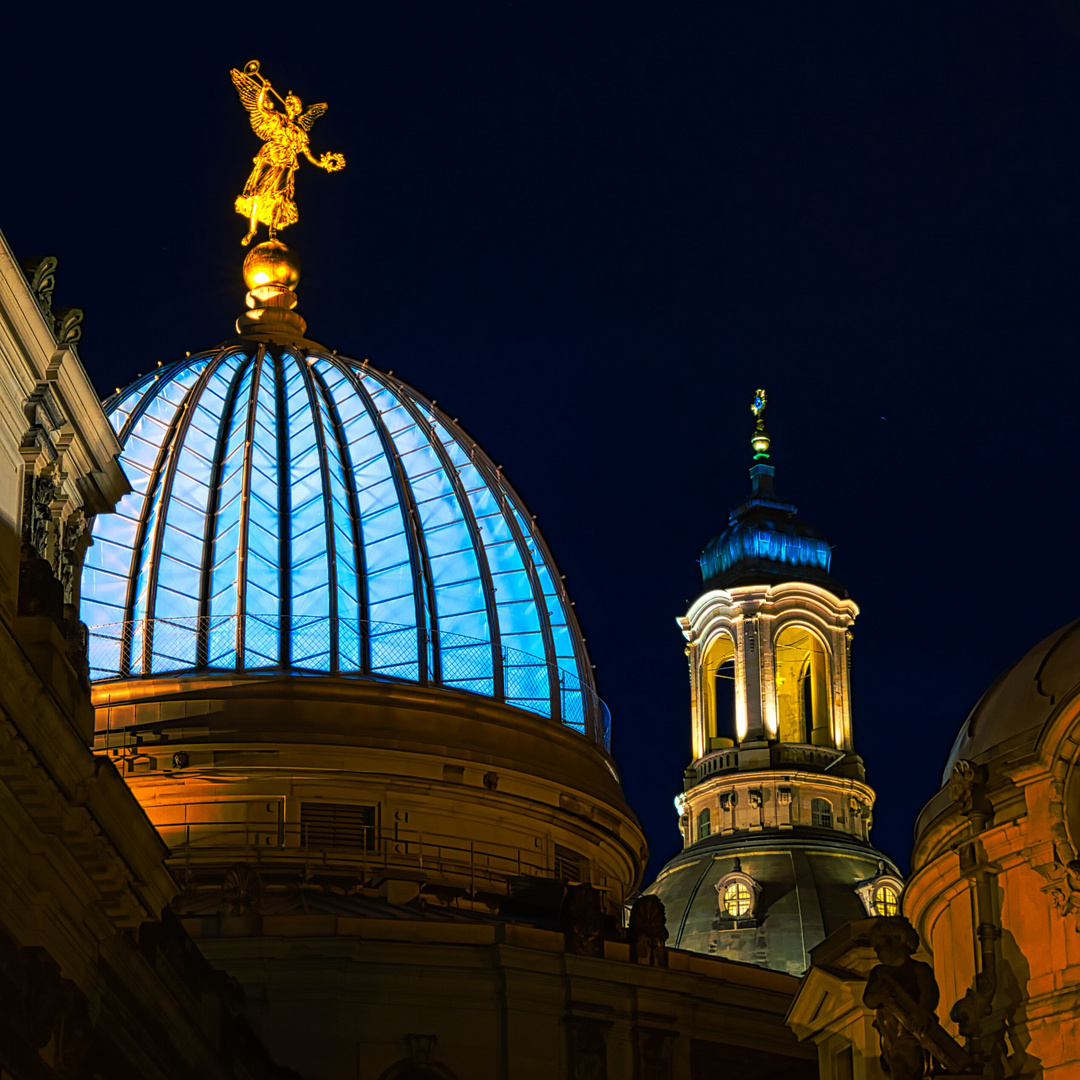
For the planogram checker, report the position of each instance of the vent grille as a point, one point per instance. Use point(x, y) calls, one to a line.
point(340, 825)
point(569, 865)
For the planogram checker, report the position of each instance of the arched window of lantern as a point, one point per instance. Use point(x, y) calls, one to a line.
point(737, 895)
point(719, 689)
point(821, 813)
point(802, 687)
point(704, 823)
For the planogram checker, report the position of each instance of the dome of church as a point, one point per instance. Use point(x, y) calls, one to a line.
point(293, 510)
point(800, 887)
point(1014, 710)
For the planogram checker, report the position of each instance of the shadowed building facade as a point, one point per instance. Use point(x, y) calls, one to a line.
point(97, 977)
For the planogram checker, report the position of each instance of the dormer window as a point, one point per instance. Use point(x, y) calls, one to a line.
point(737, 893)
point(737, 900)
point(886, 901)
point(881, 894)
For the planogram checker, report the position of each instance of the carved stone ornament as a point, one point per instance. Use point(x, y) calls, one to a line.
point(1063, 882)
point(648, 932)
point(70, 552)
point(729, 800)
point(755, 797)
point(41, 277)
point(583, 921)
point(1053, 850)
point(783, 796)
point(967, 786)
point(241, 890)
point(67, 325)
point(41, 492)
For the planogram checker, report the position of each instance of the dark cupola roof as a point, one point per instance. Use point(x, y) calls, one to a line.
point(765, 540)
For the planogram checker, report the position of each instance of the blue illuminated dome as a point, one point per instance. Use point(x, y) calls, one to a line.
point(293, 510)
point(766, 540)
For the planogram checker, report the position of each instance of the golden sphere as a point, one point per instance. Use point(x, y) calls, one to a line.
point(271, 263)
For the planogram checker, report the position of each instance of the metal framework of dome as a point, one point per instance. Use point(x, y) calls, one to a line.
point(295, 510)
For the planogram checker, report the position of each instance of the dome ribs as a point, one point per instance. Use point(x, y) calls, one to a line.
point(423, 603)
point(148, 541)
point(210, 532)
point(483, 570)
point(349, 478)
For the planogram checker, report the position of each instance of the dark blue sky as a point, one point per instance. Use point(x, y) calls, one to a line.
point(591, 231)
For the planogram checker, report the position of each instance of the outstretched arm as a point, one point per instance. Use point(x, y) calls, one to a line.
point(329, 162)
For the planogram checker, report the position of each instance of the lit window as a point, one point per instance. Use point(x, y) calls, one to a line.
point(821, 813)
point(886, 902)
point(737, 900)
point(704, 824)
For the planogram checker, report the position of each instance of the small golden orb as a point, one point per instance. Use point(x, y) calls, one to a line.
point(271, 263)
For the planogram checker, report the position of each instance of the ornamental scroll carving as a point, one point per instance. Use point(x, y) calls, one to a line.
point(40, 493)
point(1062, 871)
point(65, 323)
point(41, 277)
point(241, 889)
point(1052, 850)
point(72, 546)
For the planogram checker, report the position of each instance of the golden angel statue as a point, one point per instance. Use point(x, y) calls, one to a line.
point(268, 194)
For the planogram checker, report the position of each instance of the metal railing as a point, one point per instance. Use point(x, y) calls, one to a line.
point(150, 647)
point(377, 851)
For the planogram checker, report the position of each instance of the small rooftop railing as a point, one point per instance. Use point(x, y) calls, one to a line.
point(146, 648)
point(366, 852)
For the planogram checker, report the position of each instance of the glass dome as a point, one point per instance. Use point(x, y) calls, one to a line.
point(295, 510)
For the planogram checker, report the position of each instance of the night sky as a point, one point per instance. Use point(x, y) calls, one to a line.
point(591, 231)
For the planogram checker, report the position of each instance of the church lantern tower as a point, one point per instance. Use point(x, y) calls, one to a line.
point(776, 813)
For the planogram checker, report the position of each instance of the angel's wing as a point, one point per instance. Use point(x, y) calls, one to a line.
point(263, 120)
point(310, 115)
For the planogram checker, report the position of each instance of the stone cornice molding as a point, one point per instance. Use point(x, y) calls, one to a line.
point(61, 418)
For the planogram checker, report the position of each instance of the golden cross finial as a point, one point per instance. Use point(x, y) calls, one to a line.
point(268, 195)
point(760, 439)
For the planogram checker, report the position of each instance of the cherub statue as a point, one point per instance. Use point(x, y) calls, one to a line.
point(904, 995)
point(268, 194)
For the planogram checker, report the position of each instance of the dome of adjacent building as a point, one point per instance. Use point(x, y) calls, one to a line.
point(294, 510)
point(796, 890)
point(1010, 716)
